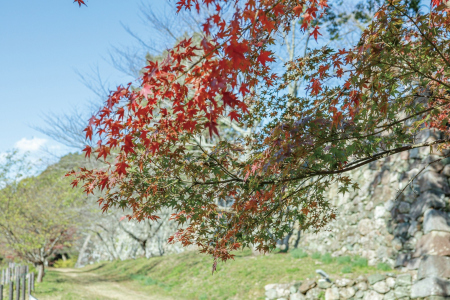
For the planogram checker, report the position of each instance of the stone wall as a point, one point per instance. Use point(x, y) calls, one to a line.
point(374, 287)
point(411, 232)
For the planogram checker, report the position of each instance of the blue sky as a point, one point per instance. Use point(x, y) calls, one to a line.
point(42, 45)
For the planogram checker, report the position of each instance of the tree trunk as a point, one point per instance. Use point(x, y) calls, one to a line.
point(284, 243)
point(297, 241)
point(82, 250)
point(41, 272)
point(63, 256)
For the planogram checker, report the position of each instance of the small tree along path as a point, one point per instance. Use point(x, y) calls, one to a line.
point(96, 285)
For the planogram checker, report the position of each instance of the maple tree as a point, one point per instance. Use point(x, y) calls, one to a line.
point(163, 148)
point(38, 214)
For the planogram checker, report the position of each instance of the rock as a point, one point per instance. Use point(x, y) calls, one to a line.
point(385, 177)
point(446, 171)
point(427, 134)
point(344, 282)
point(413, 228)
point(293, 289)
point(404, 155)
point(434, 266)
point(323, 284)
point(403, 280)
point(379, 212)
point(390, 282)
point(401, 230)
point(401, 260)
point(397, 244)
point(388, 205)
point(381, 287)
point(424, 201)
point(375, 278)
point(404, 207)
point(430, 286)
point(365, 226)
point(270, 286)
point(313, 294)
point(438, 298)
point(360, 294)
point(372, 295)
point(361, 286)
point(271, 294)
point(306, 286)
point(430, 180)
point(332, 294)
point(402, 291)
point(275, 291)
point(413, 264)
point(297, 296)
point(390, 296)
point(433, 243)
point(414, 153)
point(347, 292)
point(435, 220)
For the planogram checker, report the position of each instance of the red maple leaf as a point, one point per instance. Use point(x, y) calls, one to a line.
point(121, 168)
point(234, 115)
point(316, 86)
point(265, 57)
point(88, 151)
point(88, 132)
point(212, 126)
point(80, 2)
point(315, 32)
point(298, 10)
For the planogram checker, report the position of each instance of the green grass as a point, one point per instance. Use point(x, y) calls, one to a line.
point(298, 253)
point(347, 269)
point(360, 262)
point(54, 285)
point(188, 275)
point(342, 260)
point(326, 258)
point(384, 267)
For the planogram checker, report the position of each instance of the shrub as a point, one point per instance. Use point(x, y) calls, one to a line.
point(360, 262)
point(326, 258)
point(384, 267)
point(342, 260)
point(316, 255)
point(298, 253)
point(68, 263)
point(347, 269)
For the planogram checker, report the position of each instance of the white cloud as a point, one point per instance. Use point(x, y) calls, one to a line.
point(30, 145)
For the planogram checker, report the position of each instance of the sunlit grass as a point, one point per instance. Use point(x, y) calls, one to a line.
point(189, 275)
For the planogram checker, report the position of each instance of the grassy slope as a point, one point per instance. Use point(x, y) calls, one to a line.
point(188, 275)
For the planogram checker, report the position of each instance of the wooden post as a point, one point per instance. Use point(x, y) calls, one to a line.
point(1, 291)
point(11, 290)
point(29, 285)
point(17, 286)
point(24, 280)
point(32, 281)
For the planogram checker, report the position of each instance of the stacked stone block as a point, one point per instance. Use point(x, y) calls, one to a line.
point(410, 231)
point(374, 287)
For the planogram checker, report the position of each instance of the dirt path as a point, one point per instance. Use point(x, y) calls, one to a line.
point(95, 286)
